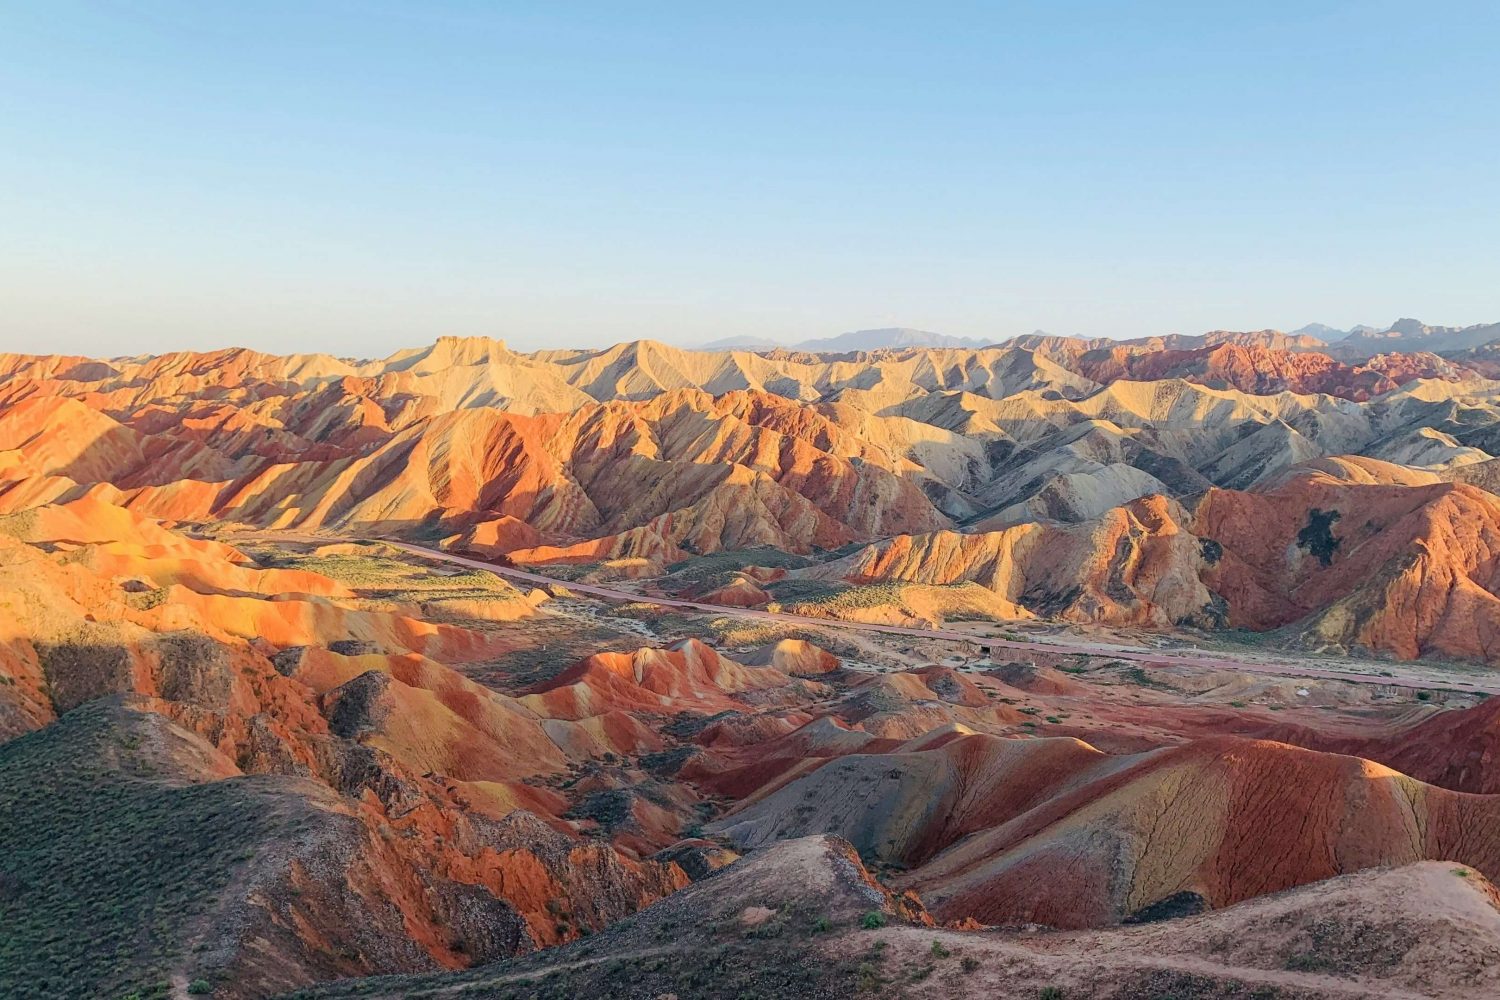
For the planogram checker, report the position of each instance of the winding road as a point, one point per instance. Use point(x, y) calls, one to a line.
point(1362, 672)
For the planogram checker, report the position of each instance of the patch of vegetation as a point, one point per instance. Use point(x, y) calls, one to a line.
point(1139, 675)
point(1317, 535)
point(1308, 961)
point(667, 762)
point(875, 595)
point(155, 991)
point(1180, 904)
point(105, 863)
point(874, 920)
point(1210, 550)
point(737, 559)
point(384, 578)
point(85, 665)
point(709, 961)
point(686, 725)
point(145, 600)
point(805, 591)
point(965, 601)
point(709, 572)
point(868, 978)
point(610, 808)
point(1175, 984)
point(571, 572)
point(1340, 946)
point(21, 525)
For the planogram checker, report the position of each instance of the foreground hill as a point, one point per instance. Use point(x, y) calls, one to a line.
point(1056, 833)
point(804, 919)
point(259, 777)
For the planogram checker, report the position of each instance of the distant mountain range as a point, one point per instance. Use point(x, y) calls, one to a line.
point(855, 340)
point(1355, 343)
point(1412, 334)
point(1329, 334)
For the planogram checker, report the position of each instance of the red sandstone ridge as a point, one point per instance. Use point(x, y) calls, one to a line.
point(650, 680)
point(1136, 564)
point(1401, 569)
point(644, 452)
point(1415, 930)
point(1224, 820)
point(1054, 832)
point(1261, 370)
point(1457, 749)
point(794, 656)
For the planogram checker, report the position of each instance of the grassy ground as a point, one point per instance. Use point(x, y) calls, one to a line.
point(712, 571)
point(790, 592)
point(382, 578)
point(955, 602)
point(105, 863)
point(560, 646)
point(716, 961)
point(837, 602)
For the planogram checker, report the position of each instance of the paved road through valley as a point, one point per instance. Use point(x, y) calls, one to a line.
point(1403, 675)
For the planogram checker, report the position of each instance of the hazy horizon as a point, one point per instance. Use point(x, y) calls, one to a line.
point(358, 178)
point(310, 346)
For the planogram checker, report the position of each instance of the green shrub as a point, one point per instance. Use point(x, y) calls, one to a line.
point(112, 859)
point(873, 920)
point(200, 987)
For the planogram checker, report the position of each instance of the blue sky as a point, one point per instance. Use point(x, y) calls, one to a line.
point(355, 177)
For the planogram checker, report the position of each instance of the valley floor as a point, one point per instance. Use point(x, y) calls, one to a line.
point(1203, 652)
